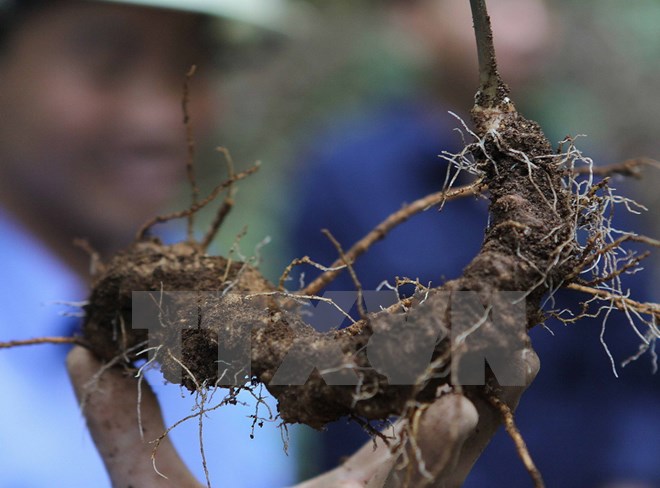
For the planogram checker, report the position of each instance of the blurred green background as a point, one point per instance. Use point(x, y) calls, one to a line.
point(600, 78)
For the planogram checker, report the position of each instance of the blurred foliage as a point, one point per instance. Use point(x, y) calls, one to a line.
point(605, 80)
point(277, 102)
point(605, 84)
point(601, 81)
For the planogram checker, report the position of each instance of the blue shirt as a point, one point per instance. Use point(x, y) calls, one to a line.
point(43, 438)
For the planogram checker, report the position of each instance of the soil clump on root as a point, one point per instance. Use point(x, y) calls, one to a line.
point(150, 266)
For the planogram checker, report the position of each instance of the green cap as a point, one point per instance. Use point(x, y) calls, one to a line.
point(281, 16)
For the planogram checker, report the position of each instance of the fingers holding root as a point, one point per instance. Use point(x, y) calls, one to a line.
point(437, 445)
point(426, 450)
point(433, 450)
point(112, 419)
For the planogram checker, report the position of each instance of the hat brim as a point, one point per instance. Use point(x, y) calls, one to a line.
point(275, 15)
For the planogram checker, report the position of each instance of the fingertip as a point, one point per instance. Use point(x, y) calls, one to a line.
point(532, 363)
point(452, 414)
point(81, 363)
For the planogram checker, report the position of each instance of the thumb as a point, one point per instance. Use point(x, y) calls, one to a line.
point(110, 401)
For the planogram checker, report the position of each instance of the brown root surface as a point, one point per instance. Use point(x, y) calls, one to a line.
point(148, 265)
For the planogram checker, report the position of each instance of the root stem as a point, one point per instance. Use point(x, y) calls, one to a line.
point(45, 340)
point(382, 229)
point(514, 433)
point(620, 302)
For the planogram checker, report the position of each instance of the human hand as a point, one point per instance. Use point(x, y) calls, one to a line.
point(110, 409)
point(448, 435)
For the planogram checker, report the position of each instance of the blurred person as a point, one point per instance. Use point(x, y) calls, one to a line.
point(584, 427)
point(92, 144)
